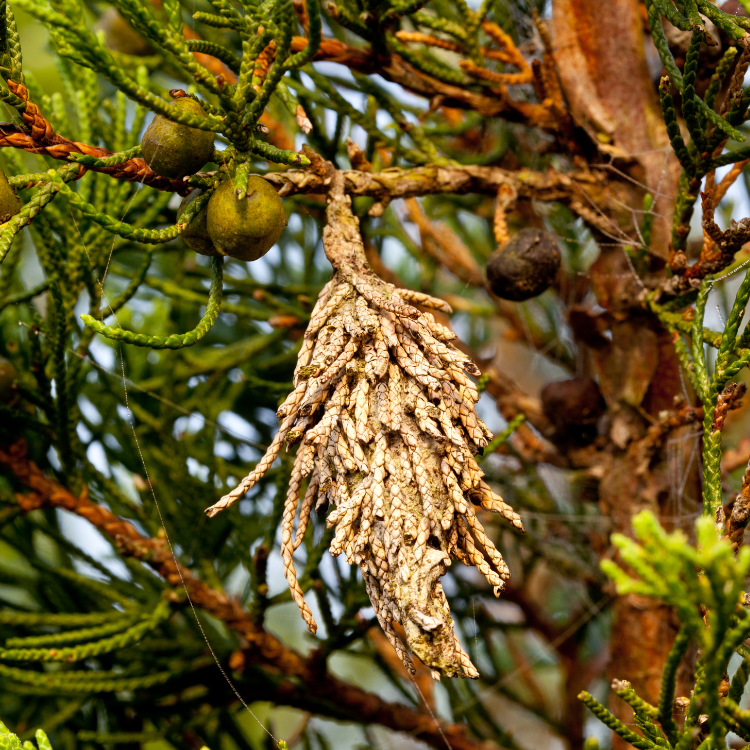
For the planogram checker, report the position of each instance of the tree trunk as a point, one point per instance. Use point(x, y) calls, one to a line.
point(611, 94)
point(602, 65)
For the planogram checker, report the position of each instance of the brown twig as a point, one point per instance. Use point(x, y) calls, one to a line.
point(730, 178)
point(509, 56)
point(505, 202)
point(717, 254)
point(417, 37)
point(391, 184)
point(738, 509)
point(738, 513)
point(394, 68)
point(263, 63)
point(501, 79)
point(729, 399)
point(505, 41)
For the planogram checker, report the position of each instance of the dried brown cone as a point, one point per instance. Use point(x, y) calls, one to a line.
point(730, 398)
point(385, 411)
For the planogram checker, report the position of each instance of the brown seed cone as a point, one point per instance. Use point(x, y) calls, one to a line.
point(525, 266)
point(392, 445)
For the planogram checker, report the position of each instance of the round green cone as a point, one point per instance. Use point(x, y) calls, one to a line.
point(245, 229)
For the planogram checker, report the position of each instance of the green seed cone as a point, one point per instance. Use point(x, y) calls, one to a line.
point(10, 203)
point(173, 150)
point(245, 229)
point(196, 234)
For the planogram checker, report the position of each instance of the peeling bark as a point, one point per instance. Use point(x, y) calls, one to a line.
point(603, 69)
point(602, 65)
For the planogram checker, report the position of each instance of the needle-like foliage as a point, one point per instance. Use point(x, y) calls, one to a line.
point(242, 268)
